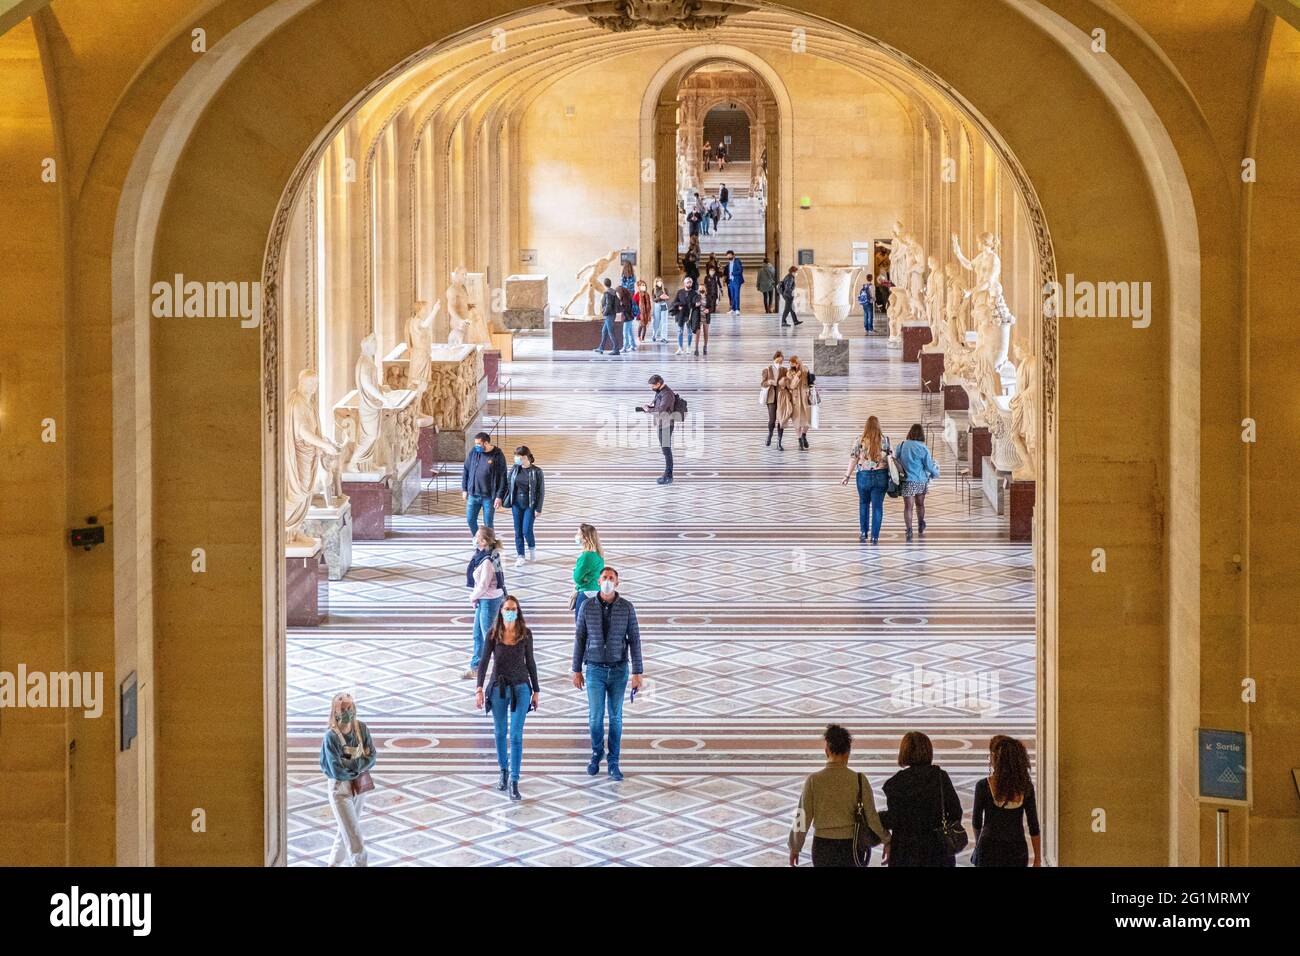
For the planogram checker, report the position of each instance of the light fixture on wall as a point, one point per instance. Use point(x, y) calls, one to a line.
point(569, 111)
point(805, 202)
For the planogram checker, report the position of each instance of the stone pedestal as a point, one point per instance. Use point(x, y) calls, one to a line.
point(306, 588)
point(457, 393)
point(915, 337)
point(504, 342)
point(492, 368)
point(980, 446)
point(397, 433)
point(371, 500)
point(931, 370)
point(575, 335)
point(830, 358)
point(394, 367)
point(526, 292)
point(333, 525)
point(956, 434)
point(1021, 497)
point(523, 320)
point(427, 448)
point(954, 398)
point(994, 484)
point(404, 487)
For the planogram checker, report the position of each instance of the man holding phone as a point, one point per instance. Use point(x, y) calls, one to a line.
point(607, 635)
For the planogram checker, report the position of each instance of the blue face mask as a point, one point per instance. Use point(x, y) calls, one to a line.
point(509, 616)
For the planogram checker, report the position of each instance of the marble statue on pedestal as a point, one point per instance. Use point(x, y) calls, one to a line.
point(468, 324)
point(934, 300)
point(902, 302)
point(371, 393)
point(1024, 411)
point(305, 450)
point(419, 342)
point(988, 308)
point(589, 277)
point(832, 296)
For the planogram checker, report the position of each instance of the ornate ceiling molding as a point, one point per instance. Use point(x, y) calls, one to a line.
point(619, 16)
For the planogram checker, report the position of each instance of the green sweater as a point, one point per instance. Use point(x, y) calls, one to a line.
point(586, 573)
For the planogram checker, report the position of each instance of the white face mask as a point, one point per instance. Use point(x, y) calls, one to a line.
point(607, 586)
point(519, 460)
point(577, 539)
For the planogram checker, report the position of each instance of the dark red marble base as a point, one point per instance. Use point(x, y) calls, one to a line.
point(980, 444)
point(426, 450)
point(1022, 510)
point(371, 501)
point(306, 591)
point(955, 399)
point(492, 367)
point(915, 337)
point(931, 371)
point(578, 335)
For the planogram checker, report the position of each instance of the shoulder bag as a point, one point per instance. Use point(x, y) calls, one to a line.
point(362, 782)
point(864, 838)
point(952, 835)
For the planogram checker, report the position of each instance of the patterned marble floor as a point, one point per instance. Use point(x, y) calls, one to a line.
point(762, 618)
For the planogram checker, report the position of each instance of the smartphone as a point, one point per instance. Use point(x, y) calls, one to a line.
point(633, 698)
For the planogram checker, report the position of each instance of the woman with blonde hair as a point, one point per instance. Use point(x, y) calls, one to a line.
point(869, 461)
point(346, 755)
point(659, 298)
point(487, 583)
point(794, 404)
point(586, 571)
point(513, 690)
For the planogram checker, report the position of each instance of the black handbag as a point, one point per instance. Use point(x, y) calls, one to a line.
point(864, 838)
point(952, 835)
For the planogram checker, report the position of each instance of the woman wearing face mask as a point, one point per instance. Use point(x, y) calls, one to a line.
point(795, 408)
point(487, 583)
point(525, 488)
point(712, 289)
point(514, 688)
point(346, 753)
point(659, 331)
point(770, 391)
point(586, 572)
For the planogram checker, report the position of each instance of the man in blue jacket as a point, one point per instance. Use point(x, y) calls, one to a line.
point(735, 279)
point(482, 481)
point(607, 633)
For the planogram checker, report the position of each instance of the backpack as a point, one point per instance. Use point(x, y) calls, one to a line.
point(679, 405)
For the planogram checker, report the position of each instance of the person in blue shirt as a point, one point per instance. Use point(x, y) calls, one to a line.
point(607, 634)
point(867, 299)
point(915, 458)
point(735, 279)
point(346, 753)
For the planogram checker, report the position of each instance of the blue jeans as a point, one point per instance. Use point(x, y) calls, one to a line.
point(607, 332)
point(472, 505)
point(726, 213)
point(503, 715)
point(871, 494)
point(577, 606)
point(868, 318)
point(629, 335)
point(704, 224)
point(485, 615)
point(524, 518)
point(684, 330)
point(605, 686)
point(657, 331)
point(733, 293)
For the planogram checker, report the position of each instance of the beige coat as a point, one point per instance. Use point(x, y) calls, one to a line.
point(792, 408)
point(772, 381)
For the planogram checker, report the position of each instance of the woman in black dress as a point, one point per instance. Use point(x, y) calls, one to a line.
point(1004, 800)
point(712, 289)
point(913, 798)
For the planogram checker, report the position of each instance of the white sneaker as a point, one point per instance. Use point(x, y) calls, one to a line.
point(679, 350)
point(520, 561)
point(532, 554)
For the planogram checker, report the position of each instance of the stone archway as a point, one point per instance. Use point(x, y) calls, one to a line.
point(193, 232)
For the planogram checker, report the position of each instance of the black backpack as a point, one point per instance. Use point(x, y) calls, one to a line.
point(679, 405)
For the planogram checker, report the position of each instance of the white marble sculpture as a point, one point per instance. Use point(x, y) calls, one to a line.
point(468, 324)
point(589, 284)
point(899, 310)
point(371, 398)
point(1024, 412)
point(832, 296)
point(305, 452)
point(419, 344)
point(934, 300)
point(988, 309)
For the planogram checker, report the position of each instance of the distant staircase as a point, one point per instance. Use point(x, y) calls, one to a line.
point(745, 232)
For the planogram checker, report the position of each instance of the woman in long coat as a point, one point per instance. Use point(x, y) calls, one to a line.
point(793, 409)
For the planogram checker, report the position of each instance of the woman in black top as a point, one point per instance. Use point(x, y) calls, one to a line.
point(514, 689)
point(1003, 801)
point(913, 798)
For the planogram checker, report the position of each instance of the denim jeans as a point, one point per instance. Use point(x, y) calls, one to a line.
point(524, 518)
point(503, 715)
point(684, 330)
point(704, 224)
point(629, 335)
point(658, 331)
point(577, 605)
point(607, 332)
point(485, 615)
point(605, 686)
point(871, 496)
point(472, 505)
point(868, 318)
